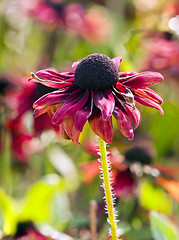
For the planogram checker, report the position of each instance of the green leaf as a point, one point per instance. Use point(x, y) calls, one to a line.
point(37, 203)
point(154, 198)
point(162, 227)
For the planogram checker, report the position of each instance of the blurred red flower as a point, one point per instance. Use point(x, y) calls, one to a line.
point(92, 24)
point(163, 55)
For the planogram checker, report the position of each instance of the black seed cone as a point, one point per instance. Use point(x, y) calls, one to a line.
point(139, 154)
point(96, 71)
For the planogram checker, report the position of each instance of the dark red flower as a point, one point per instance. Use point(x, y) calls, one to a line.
point(27, 231)
point(20, 139)
point(94, 92)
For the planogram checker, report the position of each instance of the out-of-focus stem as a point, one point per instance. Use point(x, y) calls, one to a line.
point(93, 222)
point(107, 189)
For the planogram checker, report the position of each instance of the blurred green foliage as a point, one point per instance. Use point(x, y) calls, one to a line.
point(49, 188)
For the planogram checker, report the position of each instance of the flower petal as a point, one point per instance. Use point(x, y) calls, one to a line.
point(103, 129)
point(70, 130)
point(75, 64)
point(82, 115)
point(104, 100)
point(53, 79)
point(117, 61)
point(143, 80)
point(73, 103)
point(153, 95)
point(134, 114)
point(38, 112)
point(124, 123)
point(50, 99)
point(52, 75)
point(149, 103)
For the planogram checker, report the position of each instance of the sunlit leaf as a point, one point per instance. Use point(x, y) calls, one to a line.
point(37, 203)
point(8, 212)
point(154, 198)
point(162, 227)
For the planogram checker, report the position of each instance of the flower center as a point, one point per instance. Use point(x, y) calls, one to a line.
point(96, 71)
point(56, 5)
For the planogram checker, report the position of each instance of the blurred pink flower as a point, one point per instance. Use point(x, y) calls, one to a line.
point(92, 24)
point(93, 92)
point(163, 55)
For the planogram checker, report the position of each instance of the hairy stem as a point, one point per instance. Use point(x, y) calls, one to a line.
point(107, 190)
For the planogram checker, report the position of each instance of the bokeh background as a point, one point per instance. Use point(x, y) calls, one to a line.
point(54, 183)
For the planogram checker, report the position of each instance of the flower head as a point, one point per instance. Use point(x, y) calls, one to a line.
point(93, 92)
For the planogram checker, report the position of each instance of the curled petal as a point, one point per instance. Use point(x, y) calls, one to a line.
point(153, 95)
point(149, 94)
point(73, 103)
point(52, 75)
point(117, 61)
point(51, 79)
point(149, 103)
point(82, 115)
point(103, 129)
point(50, 99)
point(104, 100)
point(68, 130)
point(143, 80)
point(124, 123)
point(134, 114)
point(38, 112)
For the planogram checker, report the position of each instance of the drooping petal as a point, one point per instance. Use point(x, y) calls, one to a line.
point(103, 129)
point(38, 112)
point(82, 115)
point(117, 61)
point(153, 95)
point(143, 80)
point(104, 100)
point(149, 103)
point(63, 132)
point(149, 94)
point(134, 114)
point(50, 99)
point(124, 123)
point(70, 130)
point(53, 79)
point(73, 103)
point(52, 75)
point(52, 109)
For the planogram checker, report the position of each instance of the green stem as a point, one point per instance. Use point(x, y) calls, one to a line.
point(107, 189)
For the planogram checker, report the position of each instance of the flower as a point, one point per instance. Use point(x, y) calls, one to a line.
point(163, 55)
point(93, 92)
point(20, 139)
point(27, 230)
point(92, 24)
